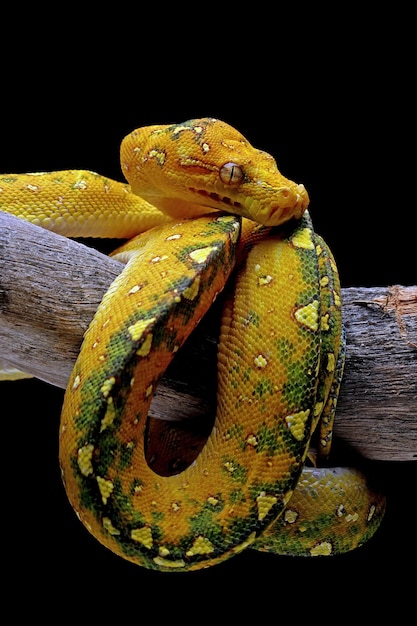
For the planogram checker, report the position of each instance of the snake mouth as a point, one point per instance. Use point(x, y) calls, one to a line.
point(212, 195)
point(268, 216)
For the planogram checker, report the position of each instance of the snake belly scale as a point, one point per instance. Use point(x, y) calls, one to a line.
point(210, 211)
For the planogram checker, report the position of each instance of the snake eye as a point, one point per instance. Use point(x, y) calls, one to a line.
point(231, 174)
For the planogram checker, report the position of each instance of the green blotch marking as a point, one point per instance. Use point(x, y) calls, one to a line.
point(252, 319)
point(136, 486)
point(238, 527)
point(207, 512)
point(272, 441)
point(176, 553)
point(269, 440)
point(120, 502)
point(306, 298)
point(247, 374)
point(312, 288)
point(132, 548)
point(235, 431)
point(238, 352)
point(285, 350)
point(262, 388)
point(165, 337)
point(235, 384)
point(278, 489)
point(158, 516)
point(236, 496)
point(126, 453)
point(119, 509)
point(90, 497)
point(108, 455)
point(203, 523)
point(93, 406)
point(9, 179)
point(226, 227)
point(318, 526)
point(234, 470)
point(175, 130)
point(120, 364)
point(219, 260)
point(297, 390)
point(243, 376)
point(290, 540)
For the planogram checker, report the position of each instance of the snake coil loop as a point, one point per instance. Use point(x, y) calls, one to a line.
point(205, 212)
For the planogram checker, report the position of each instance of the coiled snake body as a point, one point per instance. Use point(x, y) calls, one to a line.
point(205, 209)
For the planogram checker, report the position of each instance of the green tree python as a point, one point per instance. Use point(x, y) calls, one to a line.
point(204, 212)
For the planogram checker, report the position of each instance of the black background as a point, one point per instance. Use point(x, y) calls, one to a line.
point(330, 97)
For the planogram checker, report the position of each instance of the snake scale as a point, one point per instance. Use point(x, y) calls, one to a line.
point(204, 212)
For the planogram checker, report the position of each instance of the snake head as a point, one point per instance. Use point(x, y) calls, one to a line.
point(202, 165)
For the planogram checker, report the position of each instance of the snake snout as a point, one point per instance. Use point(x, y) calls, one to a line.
point(289, 202)
point(303, 200)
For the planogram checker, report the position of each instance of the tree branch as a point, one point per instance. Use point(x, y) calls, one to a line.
point(50, 288)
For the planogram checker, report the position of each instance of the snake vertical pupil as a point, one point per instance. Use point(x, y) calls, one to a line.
point(231, 173)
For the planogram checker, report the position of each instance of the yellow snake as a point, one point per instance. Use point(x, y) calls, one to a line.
point(204, 212)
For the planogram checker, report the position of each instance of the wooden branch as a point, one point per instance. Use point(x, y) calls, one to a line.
point(51, 286)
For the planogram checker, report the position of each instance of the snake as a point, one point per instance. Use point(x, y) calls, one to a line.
point(204, 215)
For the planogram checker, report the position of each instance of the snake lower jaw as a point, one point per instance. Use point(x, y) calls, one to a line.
point(273, 216)
point(181, 209)
point(279, 211)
